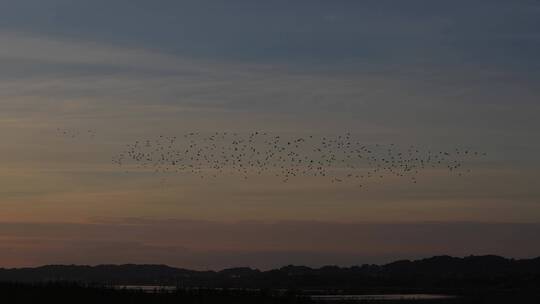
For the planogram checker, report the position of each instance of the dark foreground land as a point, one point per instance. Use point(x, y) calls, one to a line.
point(474, 279)
point(77, 293)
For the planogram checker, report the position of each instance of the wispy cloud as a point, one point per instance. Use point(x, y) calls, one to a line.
point(258, 244)
point(407, 73)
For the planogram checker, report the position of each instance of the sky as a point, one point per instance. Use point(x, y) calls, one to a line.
point(434, 74)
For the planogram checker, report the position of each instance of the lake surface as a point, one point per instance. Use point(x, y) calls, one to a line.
point(321, 298)
point(380, 297)
point(147, 288)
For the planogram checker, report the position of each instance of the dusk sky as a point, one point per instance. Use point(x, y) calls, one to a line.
point(434, 74)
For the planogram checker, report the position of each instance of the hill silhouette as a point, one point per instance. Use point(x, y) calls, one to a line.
point(435, 273)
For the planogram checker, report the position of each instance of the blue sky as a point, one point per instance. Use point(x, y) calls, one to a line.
point(314, 33)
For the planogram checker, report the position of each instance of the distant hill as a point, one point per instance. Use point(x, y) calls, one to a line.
point(439, 272)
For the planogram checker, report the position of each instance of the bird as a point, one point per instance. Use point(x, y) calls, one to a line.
point(339, 158)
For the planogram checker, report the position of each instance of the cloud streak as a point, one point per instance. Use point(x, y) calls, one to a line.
point(433, 75)
point(255, 243)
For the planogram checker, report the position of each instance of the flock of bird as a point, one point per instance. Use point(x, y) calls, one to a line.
point(339, 159)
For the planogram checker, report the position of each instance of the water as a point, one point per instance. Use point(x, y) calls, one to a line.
point(147, 288)
point(321, 298)
point(380, 297)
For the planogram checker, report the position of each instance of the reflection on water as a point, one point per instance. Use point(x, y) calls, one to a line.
point(380, 297)
point(322, 298)
point(147, 288)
